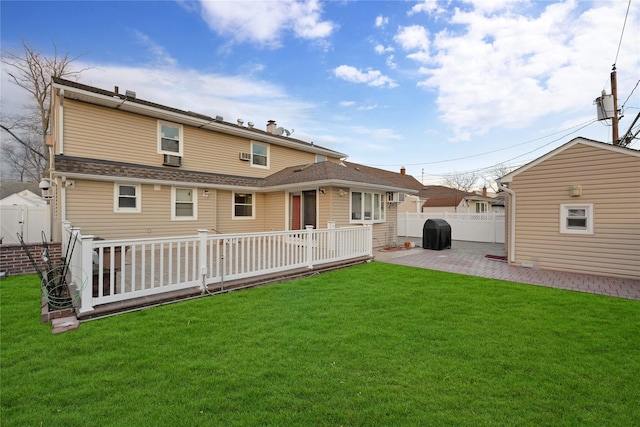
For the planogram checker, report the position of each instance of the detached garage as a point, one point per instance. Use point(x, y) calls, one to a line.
point(576, 209)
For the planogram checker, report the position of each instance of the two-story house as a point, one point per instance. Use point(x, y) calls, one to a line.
point(123, 167)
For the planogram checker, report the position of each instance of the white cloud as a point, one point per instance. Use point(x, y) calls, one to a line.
point(381, 49)
point(160, 55)
point(510, 69)
point(265, 22)
point(347, 103)
point(381, 21)
point(429, 6)
point(370, 77)
point(414, 38)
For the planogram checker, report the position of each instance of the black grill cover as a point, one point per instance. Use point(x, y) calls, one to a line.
point(436, 234)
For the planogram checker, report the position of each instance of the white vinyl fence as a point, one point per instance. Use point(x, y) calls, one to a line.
point(29, 221)
point(488, 227)
point(108, 271)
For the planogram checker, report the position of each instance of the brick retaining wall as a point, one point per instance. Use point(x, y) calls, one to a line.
point(15, 262)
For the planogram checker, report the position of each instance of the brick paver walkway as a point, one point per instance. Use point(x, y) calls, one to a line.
point(469, 258)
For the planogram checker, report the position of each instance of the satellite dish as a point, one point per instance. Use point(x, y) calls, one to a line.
point(279, 131)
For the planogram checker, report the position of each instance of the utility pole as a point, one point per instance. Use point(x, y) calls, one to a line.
point(614, 93)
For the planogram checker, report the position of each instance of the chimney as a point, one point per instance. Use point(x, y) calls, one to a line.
point(271, 126)
point(116, 90)
point(403, 171)
point(484, 191)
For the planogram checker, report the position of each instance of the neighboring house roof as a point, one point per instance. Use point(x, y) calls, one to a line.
point(105, 98)
point(323, 173)
point(10, 187)
point(441, 196)
point(25, 197)
point(579, 140)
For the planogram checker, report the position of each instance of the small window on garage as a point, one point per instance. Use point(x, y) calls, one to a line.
point(576, 218)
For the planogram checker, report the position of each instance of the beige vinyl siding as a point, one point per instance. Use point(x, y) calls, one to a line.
point(275, 218)
point(225, 221)
point(611, 182)
point(90, 205)
point(108, 134)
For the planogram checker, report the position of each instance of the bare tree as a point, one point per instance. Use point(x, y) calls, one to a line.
point(32, 71)
point(25, 159)
point(494, 174)
point(464, 181)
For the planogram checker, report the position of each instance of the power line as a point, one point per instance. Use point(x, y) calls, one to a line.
point(626, 15)
point(579, 126)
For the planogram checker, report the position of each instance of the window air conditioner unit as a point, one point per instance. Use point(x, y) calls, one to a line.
point(245, 156)
point(170, 160)
point(393, 197)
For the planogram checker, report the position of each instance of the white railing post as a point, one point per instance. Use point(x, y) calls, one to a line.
point(331, 238)
point(369, 239)
point(309, 251)
point(202, 236)
point(86, 289)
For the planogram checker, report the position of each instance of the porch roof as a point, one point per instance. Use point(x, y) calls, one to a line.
point(324, 173)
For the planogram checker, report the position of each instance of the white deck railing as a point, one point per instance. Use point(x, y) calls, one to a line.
point(109, 271)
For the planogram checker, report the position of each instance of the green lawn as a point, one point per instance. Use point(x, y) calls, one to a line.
point(374, 345)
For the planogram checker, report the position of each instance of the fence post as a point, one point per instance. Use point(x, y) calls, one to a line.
point(331, 238)
point(86, 289)
point(202, 236)
point(368, 238)
point(309, 252)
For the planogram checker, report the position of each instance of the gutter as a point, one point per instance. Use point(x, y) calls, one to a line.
point(511, 256)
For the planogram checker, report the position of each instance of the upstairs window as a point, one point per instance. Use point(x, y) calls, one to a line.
point(243, 205)
point(259, 155)
point(170, 139)
point(127, 198)
point(576, 219)
point(184, 204)
point(320, 158)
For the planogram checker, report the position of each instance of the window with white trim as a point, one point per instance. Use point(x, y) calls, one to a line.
point(576, 218)
point(259, 155)
point(127, 198)
point(243, 206)
point(184, 204)
point(367, 207)
point(320, 158)
point(481, 207)
point(170, 139)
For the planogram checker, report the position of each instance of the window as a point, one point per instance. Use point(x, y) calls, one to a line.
point(169, 139)
point(576, 219)
point(127, 198)
point(243, 205)
point(320, 158)
point(367, 207)
point(259, 155)
point(184, 204)
point(481, 207)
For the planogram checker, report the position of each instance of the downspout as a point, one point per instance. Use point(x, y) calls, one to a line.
point(61, 123)
point(512, 222)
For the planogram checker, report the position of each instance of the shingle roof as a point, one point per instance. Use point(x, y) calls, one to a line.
point(400, 180)
point(439, 196)
point(324, 172)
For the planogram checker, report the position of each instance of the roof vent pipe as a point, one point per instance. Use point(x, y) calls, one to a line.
point(240, 122)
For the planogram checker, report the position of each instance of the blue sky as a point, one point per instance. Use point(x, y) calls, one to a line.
point(439, 87)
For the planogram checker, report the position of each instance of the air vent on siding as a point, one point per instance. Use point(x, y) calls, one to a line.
point(170, 160)
point(245, 156)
